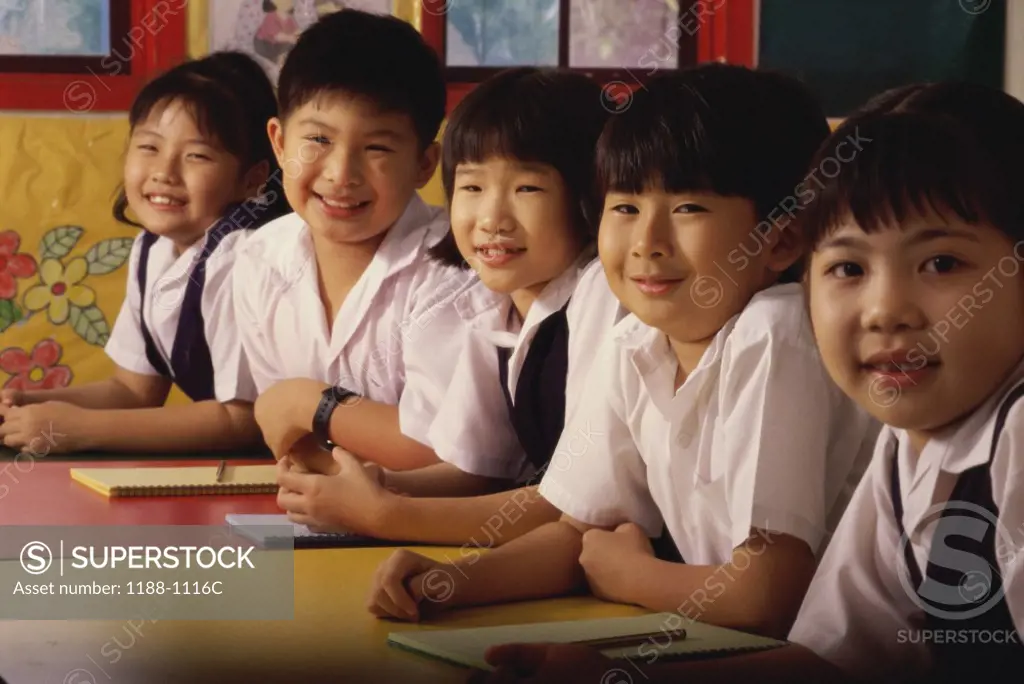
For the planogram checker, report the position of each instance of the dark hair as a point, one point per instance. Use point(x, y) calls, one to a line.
point(231, 99)
point(716, 128)
point(949, 147)
point(549, 116)
point(269, 6)
point(378, 57)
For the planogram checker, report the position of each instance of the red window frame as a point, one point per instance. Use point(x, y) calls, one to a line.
point(726, 33)
point(153, 40)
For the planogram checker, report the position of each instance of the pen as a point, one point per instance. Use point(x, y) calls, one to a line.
point(628, 640)
point(220, 471)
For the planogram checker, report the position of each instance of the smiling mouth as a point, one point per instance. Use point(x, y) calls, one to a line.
point(164, 200)
point(343, 204)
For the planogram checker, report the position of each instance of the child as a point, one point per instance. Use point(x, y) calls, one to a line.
point(707, 408)
point(198, 149)
point(916, 298)
point(338, 303)
point(517, 172)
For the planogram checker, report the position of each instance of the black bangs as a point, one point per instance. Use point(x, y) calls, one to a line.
point(657, 145)
point(715, 128)
point(920, 156)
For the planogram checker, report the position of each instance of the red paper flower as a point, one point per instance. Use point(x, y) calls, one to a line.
point(38, 370)
point(12, 264)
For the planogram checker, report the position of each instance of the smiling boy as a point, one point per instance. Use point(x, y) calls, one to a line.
point(335, 300)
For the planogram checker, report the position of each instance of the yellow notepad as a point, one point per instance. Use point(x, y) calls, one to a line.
point(467, 646)
point(178, 481)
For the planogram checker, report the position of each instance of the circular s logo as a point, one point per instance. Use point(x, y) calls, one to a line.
point(36, 558)
point(964, 584)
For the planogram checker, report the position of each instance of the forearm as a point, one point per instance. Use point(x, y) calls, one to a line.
point(792, 664)
point(202, 426)
point(442, 480)
point(102, 395)
point(366, 428)
point(542, 564)
point(759, 591)
point(489, 521)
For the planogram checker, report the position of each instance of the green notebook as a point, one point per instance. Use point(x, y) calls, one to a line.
point(467, 646)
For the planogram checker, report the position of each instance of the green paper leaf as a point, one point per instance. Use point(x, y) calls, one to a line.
point(9, 314)
point(108, 255)
point(59, 241)
point(90, 324)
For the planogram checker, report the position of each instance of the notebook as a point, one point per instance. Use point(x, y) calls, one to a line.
point(467, 646)
point(178, 481)
point(276, 531)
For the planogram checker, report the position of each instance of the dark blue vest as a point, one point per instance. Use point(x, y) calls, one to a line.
point(982, 658)
point(191, 368)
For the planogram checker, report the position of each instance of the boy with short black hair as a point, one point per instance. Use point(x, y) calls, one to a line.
point(336, 299)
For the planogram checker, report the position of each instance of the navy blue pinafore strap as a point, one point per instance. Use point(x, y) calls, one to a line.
point(538, 412)
point(962, 587)
point(191, 367)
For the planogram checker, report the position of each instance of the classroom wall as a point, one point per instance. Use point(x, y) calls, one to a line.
point(58, 176)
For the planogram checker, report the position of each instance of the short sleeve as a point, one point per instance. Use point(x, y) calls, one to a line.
point(472, 429)
point(596, 474)
point(246, 284)
point(433, 323)
point(1008, 493)
point(856, 608)
point(126, 347)
point(232, 376)
point(774, 438)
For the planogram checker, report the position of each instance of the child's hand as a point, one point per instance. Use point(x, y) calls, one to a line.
point(555, 663)
point(610, 560)
point(51, 427)
point(11, 397)
point(352, 499)
point(285, 413)
point(307, 456)
point(404, 580)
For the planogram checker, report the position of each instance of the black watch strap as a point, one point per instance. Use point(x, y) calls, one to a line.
point(329, 400)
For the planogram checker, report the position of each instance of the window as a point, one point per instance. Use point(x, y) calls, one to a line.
point(609, 39)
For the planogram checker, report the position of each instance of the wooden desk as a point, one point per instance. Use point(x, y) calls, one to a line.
point(41, 492)
point(332, 638)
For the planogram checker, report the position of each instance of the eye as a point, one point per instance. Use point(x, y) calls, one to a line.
point(147, 147)
point(199, 156)
point(318, 139)
point(379, 148)
point(529, 188)
point(469, 188)
point(690, 208)
point(627, 209)
point(844, 269)
point(942, 264)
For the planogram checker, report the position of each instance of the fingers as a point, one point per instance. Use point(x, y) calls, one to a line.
point(630, 528)
point(293, 481)
point(292, 502)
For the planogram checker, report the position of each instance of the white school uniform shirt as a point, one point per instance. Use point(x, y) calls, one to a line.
point(396, 336)
point(473, 429)
point(859, 611)
point(757, 437)
point(167, 275)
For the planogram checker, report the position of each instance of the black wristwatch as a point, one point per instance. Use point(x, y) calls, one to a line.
point(329, 400)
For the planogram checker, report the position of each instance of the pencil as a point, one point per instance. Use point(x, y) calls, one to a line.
point(220, 471)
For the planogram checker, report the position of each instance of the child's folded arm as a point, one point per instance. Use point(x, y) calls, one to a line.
point(201, 426)
point(124, 390)
point(442, 480)
point(485, 520)
point(541, 564)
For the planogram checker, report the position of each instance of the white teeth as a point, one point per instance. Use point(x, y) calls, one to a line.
point(496, 252)
point(163, 199)
point(340, 204)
